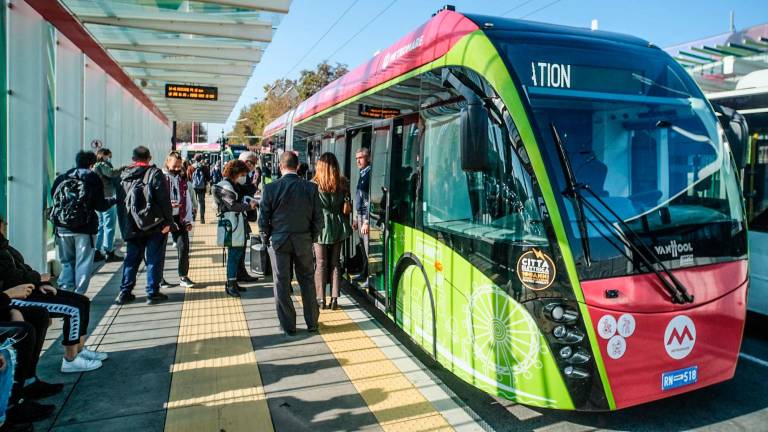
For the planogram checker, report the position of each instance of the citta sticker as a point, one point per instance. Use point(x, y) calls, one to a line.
point(536, 270)
point(679, 378)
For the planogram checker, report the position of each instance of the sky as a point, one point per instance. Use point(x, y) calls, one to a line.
point(663, 22)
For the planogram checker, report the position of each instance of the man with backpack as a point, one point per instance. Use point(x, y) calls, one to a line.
point(150, 217)
point(199, 183)
point(77, 195)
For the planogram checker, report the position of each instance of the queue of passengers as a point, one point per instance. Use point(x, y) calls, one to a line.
point(304, 224)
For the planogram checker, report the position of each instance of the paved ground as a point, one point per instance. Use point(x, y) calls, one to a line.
point(205, 362)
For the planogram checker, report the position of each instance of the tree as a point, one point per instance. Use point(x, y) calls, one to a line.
point(283, 95)
point(184, 132)
point(310, 82)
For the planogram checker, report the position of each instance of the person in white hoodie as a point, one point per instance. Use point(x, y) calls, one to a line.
point(181, 202)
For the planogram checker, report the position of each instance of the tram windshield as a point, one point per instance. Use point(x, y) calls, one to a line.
point(641, 136)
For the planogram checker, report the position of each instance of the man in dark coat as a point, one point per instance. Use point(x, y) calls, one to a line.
point(290, 219)
point(148, 244)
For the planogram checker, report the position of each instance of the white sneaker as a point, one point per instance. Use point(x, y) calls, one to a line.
point(93, 355)
point(79, 364)
point(186, 282)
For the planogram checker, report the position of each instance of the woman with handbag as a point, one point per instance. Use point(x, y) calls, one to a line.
point(232, 219)
point(337, 206)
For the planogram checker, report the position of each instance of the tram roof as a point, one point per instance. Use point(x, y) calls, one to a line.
point(425, 44)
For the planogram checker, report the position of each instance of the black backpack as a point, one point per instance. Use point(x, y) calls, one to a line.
point(70, 204)
point(138, 202)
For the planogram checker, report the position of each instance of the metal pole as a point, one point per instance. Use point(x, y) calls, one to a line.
point(173, 137)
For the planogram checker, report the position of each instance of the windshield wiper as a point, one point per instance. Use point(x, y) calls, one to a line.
point(571, 191)
point(677, 291)
point(647, 256)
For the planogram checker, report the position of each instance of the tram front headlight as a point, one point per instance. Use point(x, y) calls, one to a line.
point(559, 331)
point(574, 372)
point(559, 313)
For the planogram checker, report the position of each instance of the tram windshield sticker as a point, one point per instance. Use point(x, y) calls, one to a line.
point(536, 270)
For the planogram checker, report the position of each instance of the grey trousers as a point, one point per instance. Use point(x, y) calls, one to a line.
point(294, 254)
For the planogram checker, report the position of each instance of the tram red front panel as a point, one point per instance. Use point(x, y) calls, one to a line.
point(654, 355)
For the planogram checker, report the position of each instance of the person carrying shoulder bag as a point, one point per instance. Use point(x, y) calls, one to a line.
point(232, 211)
point(336, 206)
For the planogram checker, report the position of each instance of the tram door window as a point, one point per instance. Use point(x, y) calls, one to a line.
point(357, 139)
point(404, 175)
point(378, 209)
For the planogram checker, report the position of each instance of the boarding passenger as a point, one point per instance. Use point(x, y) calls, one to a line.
point(73, 307)
point(290, 220)
point(248, 189)
point(110, 179)
point(228, 200)
point(148, 223)
point(363, 160)
point(77, 195)
point(336, 205)
point(181, 203)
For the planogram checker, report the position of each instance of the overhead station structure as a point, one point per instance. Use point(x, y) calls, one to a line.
point(85, 74)
point(732, 69)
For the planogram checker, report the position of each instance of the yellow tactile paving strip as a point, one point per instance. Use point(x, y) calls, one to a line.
point(391, 397)
point(215, 385)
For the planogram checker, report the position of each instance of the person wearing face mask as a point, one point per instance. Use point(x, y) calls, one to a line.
point(110, 177)
point(181, 203)
point(247, 189)
point(227, 198)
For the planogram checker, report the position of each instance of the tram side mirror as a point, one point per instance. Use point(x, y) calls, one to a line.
point(474, 137)
point(473, 123)
point(736, 131)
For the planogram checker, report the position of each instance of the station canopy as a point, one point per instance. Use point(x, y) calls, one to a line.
point(204, 43)
point(732, 69)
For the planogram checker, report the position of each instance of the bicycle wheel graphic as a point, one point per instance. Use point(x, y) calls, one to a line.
point(504, 336)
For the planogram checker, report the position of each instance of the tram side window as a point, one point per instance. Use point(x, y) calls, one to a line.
point(496, 204)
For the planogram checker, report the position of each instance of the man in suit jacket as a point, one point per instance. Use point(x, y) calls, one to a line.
point(290, 220)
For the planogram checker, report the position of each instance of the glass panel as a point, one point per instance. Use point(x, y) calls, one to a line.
point(642, 137)
point(378, 208)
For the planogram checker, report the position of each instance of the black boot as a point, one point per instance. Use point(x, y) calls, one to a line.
point(322, 304)
point(231, 289)
point(334, 303)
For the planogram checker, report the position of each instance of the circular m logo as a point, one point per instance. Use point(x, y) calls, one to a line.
point(680, 337)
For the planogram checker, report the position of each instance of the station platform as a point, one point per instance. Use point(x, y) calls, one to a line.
point(203, 361)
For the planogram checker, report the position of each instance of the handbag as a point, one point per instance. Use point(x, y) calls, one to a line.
point(346, 209)
point(231, 230)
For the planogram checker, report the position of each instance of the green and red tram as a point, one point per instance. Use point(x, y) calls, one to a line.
point(555, 212)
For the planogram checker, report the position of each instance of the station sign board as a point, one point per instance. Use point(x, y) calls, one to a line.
point(378, 112)
point(191, 92)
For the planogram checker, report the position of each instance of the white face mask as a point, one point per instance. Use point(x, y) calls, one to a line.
point(241, 180)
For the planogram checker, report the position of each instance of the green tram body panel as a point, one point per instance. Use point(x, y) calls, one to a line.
point(484, 336)
point(533, 378)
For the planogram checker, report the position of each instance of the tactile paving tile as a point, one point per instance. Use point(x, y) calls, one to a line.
point(216, 385)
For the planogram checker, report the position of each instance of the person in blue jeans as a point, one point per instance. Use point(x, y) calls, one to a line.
point(147, 244)
point(105, 240)
point(75, 239)
point(228, 200)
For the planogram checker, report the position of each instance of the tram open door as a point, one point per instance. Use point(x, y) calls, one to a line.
point(394, 176)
